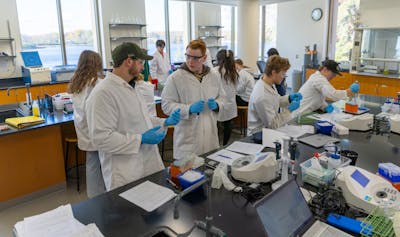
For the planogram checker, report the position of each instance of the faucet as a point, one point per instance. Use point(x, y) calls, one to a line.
point(202, 225)
point(27, 87)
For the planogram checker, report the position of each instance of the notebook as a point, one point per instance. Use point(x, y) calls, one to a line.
point(285, 213)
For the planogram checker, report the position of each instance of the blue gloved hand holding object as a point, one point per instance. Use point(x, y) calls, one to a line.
point(295, 96)
point(355, 87)
point(329, 108)
point(197, 107)
point(151, 136)
point(295, 104)
point(173, 119)
point(212, 104)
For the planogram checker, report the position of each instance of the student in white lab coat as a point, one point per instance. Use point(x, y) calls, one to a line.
point(265, 102)
point(160, 66)
point(245, 85)
point(197, 92)
point(229, 79)
point(317, 88)
point(85, 78)
point(120, 126)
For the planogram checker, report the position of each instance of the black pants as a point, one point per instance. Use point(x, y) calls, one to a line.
point(241, 102)
point(227, 131)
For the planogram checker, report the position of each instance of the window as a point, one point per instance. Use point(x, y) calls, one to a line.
point(39, 25)
point(226, 22)
point(155, 20)
point(343, 39)
point(178, 30)
point(270, 27)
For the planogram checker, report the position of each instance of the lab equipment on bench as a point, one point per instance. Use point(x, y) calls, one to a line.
point(285, 159)
point(365, 190)
point(284, 212)
point(261, 168)
point(33, 71)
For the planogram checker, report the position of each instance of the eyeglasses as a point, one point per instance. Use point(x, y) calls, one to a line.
point(136, 59)
point(194, 58)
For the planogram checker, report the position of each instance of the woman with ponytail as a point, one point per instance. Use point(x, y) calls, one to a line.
point(229, 79)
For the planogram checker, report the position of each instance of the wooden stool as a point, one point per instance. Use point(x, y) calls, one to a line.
point(242, 112)
point(69, 140)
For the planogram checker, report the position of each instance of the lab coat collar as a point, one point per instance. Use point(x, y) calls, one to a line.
point(118, 80)
point(269, 87)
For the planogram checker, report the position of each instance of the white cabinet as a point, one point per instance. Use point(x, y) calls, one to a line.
point(7, 46)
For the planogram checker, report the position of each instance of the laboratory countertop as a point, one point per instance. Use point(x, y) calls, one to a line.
point(19, 82)
point(57, 117)
point(232, 213)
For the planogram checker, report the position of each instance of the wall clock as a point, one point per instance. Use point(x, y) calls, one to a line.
point(316, 14)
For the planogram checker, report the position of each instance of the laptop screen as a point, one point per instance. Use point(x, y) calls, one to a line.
point(284, 212)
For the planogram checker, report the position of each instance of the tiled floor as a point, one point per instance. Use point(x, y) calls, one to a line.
point(10, 216)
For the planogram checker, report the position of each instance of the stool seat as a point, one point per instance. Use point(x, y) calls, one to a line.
point(69, 140)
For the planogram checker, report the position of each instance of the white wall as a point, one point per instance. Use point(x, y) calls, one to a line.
point(296, 29)
point(382, 13)
point(125, 10)
point(9, 12)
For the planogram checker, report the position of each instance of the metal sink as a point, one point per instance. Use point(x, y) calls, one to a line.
point(9, 114)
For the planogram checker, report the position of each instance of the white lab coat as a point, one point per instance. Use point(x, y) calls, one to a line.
point(94, 177)
point(117, 116)
point(160, 66)
point(208, 61)
point(245, 85)
point(230, 108)
point(196, 134)
point(147, 90)
point(314, 92)
point(263, 109)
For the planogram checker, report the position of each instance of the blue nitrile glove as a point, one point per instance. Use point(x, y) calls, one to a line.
point(295, 104)
point(212, 104)
point(355, 87)
point(151, 136)
point(329, 108)
point(197, 107)
point(295, 96)
point(173, 119)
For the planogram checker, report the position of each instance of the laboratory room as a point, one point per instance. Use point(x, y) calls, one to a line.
point(198, 118)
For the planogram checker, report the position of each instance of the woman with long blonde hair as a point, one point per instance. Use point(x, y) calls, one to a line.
point(85, 78)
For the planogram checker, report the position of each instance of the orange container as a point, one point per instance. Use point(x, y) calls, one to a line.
point(352, 108)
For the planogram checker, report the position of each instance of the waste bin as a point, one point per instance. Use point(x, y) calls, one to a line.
point(296, 80)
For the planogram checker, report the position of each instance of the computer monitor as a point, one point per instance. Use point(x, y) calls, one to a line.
point(284, 212)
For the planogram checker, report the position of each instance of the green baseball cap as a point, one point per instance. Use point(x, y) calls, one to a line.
point(128, 49)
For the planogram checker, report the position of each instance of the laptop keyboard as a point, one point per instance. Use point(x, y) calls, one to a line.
point(324, 230)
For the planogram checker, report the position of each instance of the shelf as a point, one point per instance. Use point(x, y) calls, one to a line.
point(127, 37)
point(2, 56)
point(211, 26)
point(6, 39)
point(382, 60)
point(216, 46)
point(116, 25)
point(211, 36)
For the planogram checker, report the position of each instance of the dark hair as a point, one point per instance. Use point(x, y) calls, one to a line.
point(89, 66)
point(276, 63)
point(225, 61)
point(160, 43)
point(272, 51)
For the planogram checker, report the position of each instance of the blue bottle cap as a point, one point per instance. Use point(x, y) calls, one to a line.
point(335, 156)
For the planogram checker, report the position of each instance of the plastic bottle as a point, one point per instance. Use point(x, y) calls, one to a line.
point(334, 161)
point(35, 109)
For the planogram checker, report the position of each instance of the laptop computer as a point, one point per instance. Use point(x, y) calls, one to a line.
point(285, 213)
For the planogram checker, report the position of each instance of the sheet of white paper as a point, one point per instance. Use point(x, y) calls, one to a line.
point(90, 230)
point(270, 136)
point(58, 222)
point(296, 131)
point(148, 195)
point(246, 148)
point(225, 156)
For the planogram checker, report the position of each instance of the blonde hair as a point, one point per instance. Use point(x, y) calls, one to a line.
point(89, 66)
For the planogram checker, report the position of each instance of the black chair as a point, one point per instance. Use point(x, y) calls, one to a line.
point(261, 66)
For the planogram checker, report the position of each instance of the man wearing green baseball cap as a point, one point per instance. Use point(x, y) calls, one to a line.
point(119, 124)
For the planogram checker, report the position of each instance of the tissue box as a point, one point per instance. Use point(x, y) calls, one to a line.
point(189, 178)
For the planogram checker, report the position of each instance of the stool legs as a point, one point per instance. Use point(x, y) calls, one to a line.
point(66, 159)
point(76, 162)
point(77, 166)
